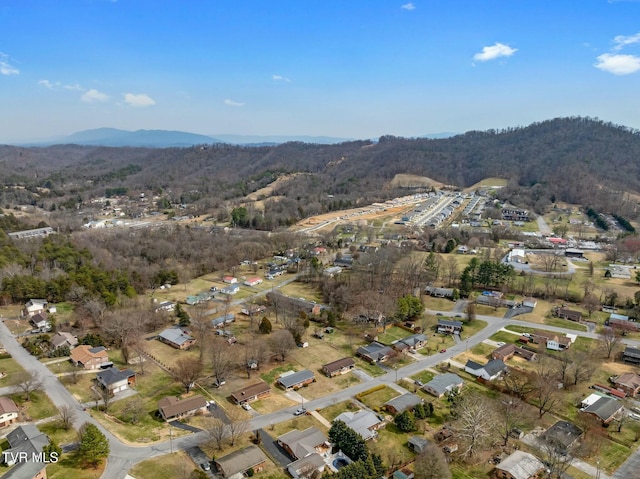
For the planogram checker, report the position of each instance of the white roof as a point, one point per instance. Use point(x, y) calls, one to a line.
point(521, 465)
point(591, 399)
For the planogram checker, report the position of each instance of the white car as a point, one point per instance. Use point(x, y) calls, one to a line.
point(500, 343)
point(300, 412)
point(246, 406)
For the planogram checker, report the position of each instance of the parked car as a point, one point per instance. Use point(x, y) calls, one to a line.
point(500, 343)
point(443, 350)
point(206, 466)
point(419, 383)
point(300, 411)
point(246, 406)
point(220, 383)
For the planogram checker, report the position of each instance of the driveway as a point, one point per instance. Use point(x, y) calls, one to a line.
point(273, 450)
point(198, 456)
point(185, 427)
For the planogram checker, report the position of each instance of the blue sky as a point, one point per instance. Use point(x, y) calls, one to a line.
point(348, 68)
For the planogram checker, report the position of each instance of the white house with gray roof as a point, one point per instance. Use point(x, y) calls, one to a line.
point(296, 380)
point(519, 465)
point(490, 371)
point(403, 403)
point(365, 423)
point(442, 384)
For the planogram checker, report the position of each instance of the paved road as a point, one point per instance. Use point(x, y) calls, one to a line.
point(123, 457)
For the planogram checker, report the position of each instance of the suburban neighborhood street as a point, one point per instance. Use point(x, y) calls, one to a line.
point(124, 456)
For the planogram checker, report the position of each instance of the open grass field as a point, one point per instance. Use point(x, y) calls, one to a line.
point(81, 389)
point(9, 368)
point(296, 289)
point(273, 403)
point(437, 304)
point(376, 399)
point(424, 376)
point(392, 334)
point(39, 406)
point(169, 466)
point(70, 466)
point(333, 411)
point(392, 443)
point(299, 422)
point(18, 326)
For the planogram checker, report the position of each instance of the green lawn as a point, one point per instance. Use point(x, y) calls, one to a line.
point(10, 367)
point(370, 369)
point(39, 405)
point(376, 399)
point(391, 442)
point(504, 337)
point(565, 323)
point(472, 327)
point(168, 466)
point(70, 466)
point(424, 376)
point(333, 411)
point(271, 376)
point(393, 333)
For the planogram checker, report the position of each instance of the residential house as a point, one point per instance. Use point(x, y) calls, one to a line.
point(171, 407)
point(116, 380)
point(230, 280)
point(574, 253)
point(35, 306)
point(8, 411)
point(439, 292)
point(341, 366)
point(167, 306)
point(33, 233)
point(569, 314)
point(402, 403)
point(562, 436)
point(490, 371)
point(302, 443)
point(40, 321)
point(344, 261)
point(551, 340)
point(25, 441)
point(413, 342)
point(375, 352)
point(254, 281)
point(177, 338)
point(231, 289)
point(223, 320)
point(507, 351)
point(365, 423)
point(62, 339)
point(250, 393)
point(238, 463)
point(253, 309)
point(449, 327)
point(89, 357)
point(292, 381)
point(631, 355)
point(517, 255)
point(519, 465)
point(442, 384)
point(620, 321)
point(605, 408)
point(293, 305)
point(307, 466)
point(617, 271)
point(629, 383)
point(418, 444)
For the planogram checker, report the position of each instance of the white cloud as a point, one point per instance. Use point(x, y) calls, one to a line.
point(622, 41)
point(618, 64)
point(94, 96)
point(74, 87)
point(408, 6)
point(281, 78)
point(232, 103)
point(48, 84)
point(494, 51)
point(139, 100)
point(5, 67)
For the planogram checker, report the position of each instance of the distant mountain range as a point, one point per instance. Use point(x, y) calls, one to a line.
point(115, 137)
point(170, 138)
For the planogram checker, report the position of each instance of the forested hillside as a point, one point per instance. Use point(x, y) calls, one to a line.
point(578, 160)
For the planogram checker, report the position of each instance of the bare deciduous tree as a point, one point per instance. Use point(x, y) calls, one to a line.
point(432, 464)
point(610, 340)
point(67, 416)
point(187, 371)
point(238, 424)
point(510, 414)
point(475, 418)
point(28, 382)
point(282, 343)
point(222, 358)
point(217, 431)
